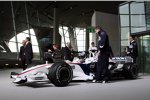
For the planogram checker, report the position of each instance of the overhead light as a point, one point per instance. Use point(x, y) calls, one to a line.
point(7, 64)
point(16, 64)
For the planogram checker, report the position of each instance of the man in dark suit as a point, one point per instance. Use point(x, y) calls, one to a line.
point(28, 51)
point(21, 55)
point(102, 72)
point(68, 52)
point(133, 48)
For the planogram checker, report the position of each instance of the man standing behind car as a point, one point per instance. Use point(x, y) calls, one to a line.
point(102, 73)
point(21, 54)
point(28, 51)
point(92, 50)
point(68, 52)
point(133, 48)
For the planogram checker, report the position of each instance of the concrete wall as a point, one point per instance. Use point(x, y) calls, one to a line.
point(109, 23)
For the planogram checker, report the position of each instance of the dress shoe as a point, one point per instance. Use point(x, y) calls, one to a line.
point(94, 81)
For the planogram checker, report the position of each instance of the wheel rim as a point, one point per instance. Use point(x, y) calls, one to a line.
point(64, 74)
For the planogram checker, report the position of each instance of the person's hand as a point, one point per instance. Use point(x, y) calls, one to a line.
point(19, 59)
point(128, 52)
point(98, 53)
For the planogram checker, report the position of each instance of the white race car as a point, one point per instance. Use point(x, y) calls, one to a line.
point(62, 73)
point(58, 73)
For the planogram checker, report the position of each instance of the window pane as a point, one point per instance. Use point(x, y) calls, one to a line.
point(80, 43)
point(67, 40)
point(32, 32)
point(80, 37)
point(35, 49)
point(64, 34)
point(26, 31)
point(80, 48)
point(19, 45)
point(138, 20)
point(148, 22)
point(124, 20)
point(90, 34)
point(124, 33)
point(137, 8)
point(62, 44)
point(124, 43)
point(34, 40)
point(62, 41)
point(12, 46)
point(137, 29)
point(124, 9)
point(21, 37)
point(13, 39)
point(60, 32)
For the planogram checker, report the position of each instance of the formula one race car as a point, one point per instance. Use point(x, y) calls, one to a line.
point(59, 73)
point(62, 73)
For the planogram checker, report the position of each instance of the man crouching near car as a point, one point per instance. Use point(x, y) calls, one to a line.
point(102, 72)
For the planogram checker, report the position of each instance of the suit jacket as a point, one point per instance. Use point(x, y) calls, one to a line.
point(67, 53)
point(28, 51)
point(103, 42)
point(21, 53)
point(133, 49)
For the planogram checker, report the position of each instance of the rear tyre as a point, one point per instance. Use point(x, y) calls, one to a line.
point(60, 74)
point(130, 71)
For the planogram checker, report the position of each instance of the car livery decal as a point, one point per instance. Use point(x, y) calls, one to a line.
point(32, 69)
point(85, 67)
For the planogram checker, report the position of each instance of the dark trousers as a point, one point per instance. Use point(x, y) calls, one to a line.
point(23, 64)
point(134, 59)
point(102, 72)
point(28, 62)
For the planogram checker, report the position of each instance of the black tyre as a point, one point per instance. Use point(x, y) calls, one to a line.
point(130, 71)
point(60, 74)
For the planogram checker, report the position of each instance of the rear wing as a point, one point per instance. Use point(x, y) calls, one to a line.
point(122, 59)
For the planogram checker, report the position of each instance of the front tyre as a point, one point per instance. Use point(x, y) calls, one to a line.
point(60, 74)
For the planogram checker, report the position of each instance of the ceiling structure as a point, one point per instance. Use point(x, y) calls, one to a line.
point(70, 13)
point(76, 13)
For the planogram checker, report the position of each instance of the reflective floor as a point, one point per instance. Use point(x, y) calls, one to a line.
point(138, 89)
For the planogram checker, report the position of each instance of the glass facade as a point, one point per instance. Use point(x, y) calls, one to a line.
point(135, 20)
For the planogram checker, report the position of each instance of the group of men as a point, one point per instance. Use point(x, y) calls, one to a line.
point(102, 74)
point(59, 54)
point(26, 53)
